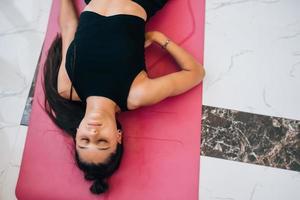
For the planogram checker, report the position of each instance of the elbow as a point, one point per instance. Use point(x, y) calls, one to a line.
point(203, 72)
point(200, 72)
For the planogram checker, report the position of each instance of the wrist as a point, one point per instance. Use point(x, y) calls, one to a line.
point(159, 38)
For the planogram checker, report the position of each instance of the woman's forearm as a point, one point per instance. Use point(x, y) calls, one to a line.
point(183, 58)
point(68, 16)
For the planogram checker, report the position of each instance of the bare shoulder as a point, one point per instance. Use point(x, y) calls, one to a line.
point(148, 91)
point(136, 89)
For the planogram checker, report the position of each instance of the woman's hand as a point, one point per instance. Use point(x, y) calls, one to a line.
point(151, 37)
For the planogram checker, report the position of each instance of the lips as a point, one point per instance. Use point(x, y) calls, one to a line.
point(94, 124)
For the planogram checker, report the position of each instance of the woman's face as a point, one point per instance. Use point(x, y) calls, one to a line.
point(97, 139)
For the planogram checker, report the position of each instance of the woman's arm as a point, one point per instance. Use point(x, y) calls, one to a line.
point(155, 90)
point(68, 22)
point(192, 72)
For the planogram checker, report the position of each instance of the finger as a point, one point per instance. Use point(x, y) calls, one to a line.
point(146, 43)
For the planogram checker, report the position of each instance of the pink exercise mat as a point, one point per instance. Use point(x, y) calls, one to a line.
point(162, 142)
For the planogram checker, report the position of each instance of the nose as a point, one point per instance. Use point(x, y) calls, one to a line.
point(93, 131)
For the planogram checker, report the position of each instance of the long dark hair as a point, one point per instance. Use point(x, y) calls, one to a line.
point(67, 115)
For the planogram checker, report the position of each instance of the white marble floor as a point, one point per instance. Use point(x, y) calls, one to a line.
point(22, 32)
point(230, 180)
point(252, 56)
point(252, 59)
point(252, 52)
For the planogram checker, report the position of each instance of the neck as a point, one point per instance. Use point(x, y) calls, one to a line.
point(100, 107)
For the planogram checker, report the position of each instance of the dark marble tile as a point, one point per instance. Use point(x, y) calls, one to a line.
point(250, 138)
point(27, 109)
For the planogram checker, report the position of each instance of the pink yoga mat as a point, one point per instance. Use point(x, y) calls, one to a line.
point(162, 142)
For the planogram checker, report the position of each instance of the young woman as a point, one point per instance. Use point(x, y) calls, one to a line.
point(96, 69)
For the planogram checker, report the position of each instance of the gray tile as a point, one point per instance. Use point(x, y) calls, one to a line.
point(250, 138)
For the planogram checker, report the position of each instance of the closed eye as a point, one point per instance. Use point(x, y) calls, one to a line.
point(101, 140)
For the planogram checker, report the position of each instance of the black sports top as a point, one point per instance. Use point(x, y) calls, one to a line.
point(107, 53)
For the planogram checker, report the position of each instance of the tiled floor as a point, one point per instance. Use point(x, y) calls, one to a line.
point(252, 53)
point(251, 117)
point(251, 100)
point(229, 180)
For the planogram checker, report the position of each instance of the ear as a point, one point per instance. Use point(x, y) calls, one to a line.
point(119, 136)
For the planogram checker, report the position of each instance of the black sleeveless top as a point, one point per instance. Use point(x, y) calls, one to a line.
point(107, 53)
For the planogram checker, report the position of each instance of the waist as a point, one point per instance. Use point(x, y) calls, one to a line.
point(94, 25)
